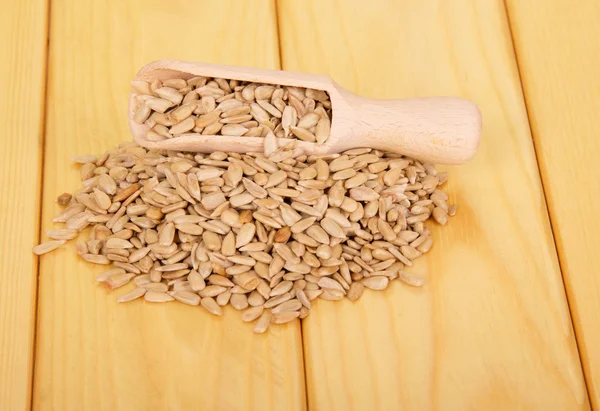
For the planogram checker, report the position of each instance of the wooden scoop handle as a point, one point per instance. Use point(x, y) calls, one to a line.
point(444, 130)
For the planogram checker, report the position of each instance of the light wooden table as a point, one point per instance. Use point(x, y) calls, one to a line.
point(510, 317)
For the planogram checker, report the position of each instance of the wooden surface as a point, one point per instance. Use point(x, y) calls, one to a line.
point(490, 330)
point(23, 37)
point(557, 46)
point(92, 354)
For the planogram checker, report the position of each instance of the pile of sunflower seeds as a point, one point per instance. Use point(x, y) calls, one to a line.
point(266, 234)
point(217, 106)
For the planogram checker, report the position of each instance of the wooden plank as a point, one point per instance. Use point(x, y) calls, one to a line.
point(92, 354)
point(24, 33)
point(491, 330)
point(557, 47)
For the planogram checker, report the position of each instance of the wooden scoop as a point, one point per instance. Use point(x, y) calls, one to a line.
point(442, 130)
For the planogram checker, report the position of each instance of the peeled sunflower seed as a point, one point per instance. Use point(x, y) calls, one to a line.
point(266, 235)
point(252, 101)
point(132, 295)
point(157, 297)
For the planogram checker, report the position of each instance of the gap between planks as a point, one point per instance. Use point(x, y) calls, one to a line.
point(24, 57)
point(44, 115)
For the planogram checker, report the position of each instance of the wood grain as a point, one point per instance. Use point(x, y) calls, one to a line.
point(23, 30)
point(92, 354)
point(491, 329)
point(557, 45)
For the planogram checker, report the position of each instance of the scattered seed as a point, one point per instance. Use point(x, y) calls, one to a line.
point(157, 297)
point(290, 305)
point(440, 215)
point(118, 280)
point(47, 247)
point(187, 297)
point(132, 295)
point(355, 291)
point(211, 306)
point(411, 279)
point(96, 259)
point(64, 199)
point(376, 282)
point(265, 233)
point(263, 322)
point(61, 234)
point(252, 313)
point(285, 317)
